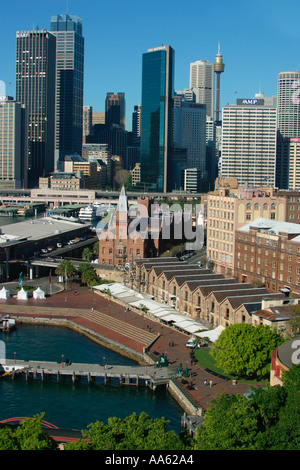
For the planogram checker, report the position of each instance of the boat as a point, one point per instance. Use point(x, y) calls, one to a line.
point(6, 323)
point(88, 213)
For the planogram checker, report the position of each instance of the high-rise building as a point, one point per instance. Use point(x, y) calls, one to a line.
point(288, 104)
point(202, 84)
point(87, 121)
point(157, 117)
point(190, 133)
point(115, 110)
point(136, 125)
point(288, 116)
point(13, 144)
point(35, 88)
point(69, 84)
point(249, 134)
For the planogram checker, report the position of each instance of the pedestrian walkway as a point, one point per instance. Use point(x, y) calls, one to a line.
point(129, 329)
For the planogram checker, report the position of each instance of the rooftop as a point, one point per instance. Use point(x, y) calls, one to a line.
point(36, 229)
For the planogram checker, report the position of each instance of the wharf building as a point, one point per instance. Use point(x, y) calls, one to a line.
point(69, 84)
point(13, 144)
point(157, 118)
point(207, 297)
point(35, 88)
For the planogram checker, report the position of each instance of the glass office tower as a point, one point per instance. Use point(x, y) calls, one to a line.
point(69, 84)
point(35, 88)
point(157, 118)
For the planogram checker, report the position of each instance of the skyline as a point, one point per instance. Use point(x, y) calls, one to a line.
point(257, 42)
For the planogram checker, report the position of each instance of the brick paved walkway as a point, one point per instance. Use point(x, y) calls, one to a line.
point(130, 329)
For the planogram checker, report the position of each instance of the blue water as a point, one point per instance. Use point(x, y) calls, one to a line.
point(68, 405)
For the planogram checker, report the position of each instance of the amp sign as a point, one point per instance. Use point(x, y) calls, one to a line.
point(250, 101)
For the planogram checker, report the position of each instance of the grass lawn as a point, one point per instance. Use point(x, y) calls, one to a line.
point(206, 361)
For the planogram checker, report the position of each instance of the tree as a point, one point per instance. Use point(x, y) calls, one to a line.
point(66, 268)
point(245, 350)
point(88, 274)
point(293, 325)
point(229, 424)
point(135, 432)
point(121, 177)
point(87, 254)
point(7, 439)
point(31, 436)
point(95, 249)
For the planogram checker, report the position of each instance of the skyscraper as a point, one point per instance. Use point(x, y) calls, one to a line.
point(202, 84)
point(288, 104)
point(190, 133)
point(157, 117)
point(288, 109)
point(69, 84)
point(249, 133)
point(115, 110)
point(35, 88)
point(13, 144)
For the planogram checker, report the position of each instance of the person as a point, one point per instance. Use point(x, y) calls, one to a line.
point(205, 382)
point(210, 383)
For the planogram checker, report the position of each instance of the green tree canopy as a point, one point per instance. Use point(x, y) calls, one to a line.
point(229, 424)
point(66, 268)
point(87, 254)
point(245, 350)
point(88, 274)
point(135, 432)
point(29, 435)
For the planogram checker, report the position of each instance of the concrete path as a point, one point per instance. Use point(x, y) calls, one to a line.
point(130, 329)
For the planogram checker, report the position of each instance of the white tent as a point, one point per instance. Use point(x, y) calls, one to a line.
point(22, 294)
point(38, 294)
point(212, 335)
point(4, 293)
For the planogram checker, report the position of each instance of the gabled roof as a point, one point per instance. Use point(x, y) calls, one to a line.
point(239, 291)
point(236, 302)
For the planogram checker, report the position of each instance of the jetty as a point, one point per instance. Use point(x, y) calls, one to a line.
point(150, 376)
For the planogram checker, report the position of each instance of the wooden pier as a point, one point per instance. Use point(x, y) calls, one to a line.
point(150, 375)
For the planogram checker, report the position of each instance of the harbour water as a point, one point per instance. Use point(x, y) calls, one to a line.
point(68, 405)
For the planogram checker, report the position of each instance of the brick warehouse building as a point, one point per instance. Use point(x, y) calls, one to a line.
point(267, 252)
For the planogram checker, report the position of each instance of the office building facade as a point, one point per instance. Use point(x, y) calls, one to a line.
point(35, 88)
point(288, 109)
point(190, 133)
point(249, 135)
point(115, 110)
point(202, 84)
point(157, 117)
point(69, 84)
point(13, 144)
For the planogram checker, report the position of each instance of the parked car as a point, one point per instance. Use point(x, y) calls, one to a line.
point(191, 343)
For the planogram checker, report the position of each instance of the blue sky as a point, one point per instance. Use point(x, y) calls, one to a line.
point(258, 39)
